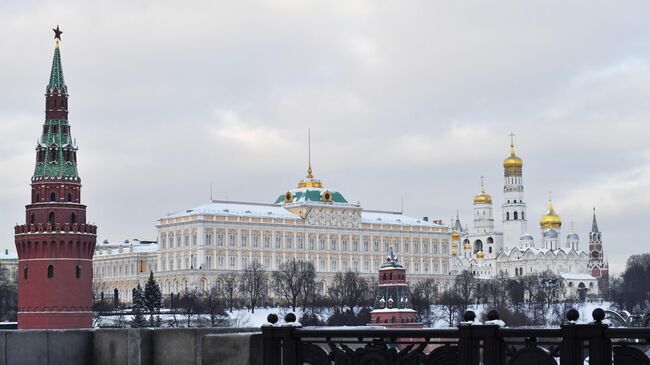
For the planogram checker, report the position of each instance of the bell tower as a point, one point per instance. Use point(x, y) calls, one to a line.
point(55, 245)
point(597, 263)
point(514, 208)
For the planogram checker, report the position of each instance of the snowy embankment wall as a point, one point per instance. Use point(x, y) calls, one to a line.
point(177, 346)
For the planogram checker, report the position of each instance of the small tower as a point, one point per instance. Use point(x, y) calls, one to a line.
point(513, 208)
point(483, 222)
point(550, 224)
point(55, 245)
point(597, 263)
point(392, 307)
point(572, 240)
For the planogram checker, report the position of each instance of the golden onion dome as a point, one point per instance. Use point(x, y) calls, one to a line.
point(482, 198)
point(550, 219)
point(454, 245)
point(455, 236)
point(453, 253)
point(467, 246)
point(512, 161)
point(480, 255)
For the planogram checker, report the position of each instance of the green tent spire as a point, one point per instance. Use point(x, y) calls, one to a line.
point(57, 83)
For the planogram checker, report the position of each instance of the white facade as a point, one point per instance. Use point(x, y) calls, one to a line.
point(310, 223)
point(516, 252)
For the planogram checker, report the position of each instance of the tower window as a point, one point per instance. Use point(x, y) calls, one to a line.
point(73, 219)
point(507, 216)
point(50, 218)
point(50, 272)
point(25, 273)
point(52, 197)
point(38, 198)
point(515, 215)
point(69, 197)
point(54, 129)
point(522, 216)
point(78, 272)
point(31, 219)
point(53, 155)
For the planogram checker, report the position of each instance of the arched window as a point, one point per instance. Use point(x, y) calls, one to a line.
point(390, 276)
point(31, 219)
point(69, 197)
point(490, 249)
point(38, 198)
point(507, 216)
point(25, 273)
point(515, 215)
point(78, 272)
point(73, 219)
point(52, 197)
point(50, 271)
point(522, 216)
point(50, 218)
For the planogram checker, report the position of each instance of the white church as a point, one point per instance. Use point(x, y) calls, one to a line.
point(516, 251)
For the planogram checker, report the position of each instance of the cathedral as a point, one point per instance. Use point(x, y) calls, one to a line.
point(516, 251)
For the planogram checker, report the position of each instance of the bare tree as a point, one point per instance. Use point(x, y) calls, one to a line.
point(465, 286)
point(308, 293)
point(230, 288)
point(8, 296)
point(451, 304)
point(349, 289)
point(293, 278)
point(190, 304)
point(422, 298)
point(213, 305)
point(254, 282)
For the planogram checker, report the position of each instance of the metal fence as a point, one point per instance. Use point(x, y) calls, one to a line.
point(470, 343)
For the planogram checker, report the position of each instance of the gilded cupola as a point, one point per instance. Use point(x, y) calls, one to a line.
point(483, 197)
point(550, 219)
point(512, 165)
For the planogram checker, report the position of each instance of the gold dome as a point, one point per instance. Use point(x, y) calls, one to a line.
point(455, 236)
point(467, 246)
point(454, 245)
point(550, 219)
point(513, 164)
point(453, 253)
point(482, 198)
point(480, 255)
point(309, 181)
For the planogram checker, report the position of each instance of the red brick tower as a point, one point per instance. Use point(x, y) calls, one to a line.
point(55, 246)
point(392, 306)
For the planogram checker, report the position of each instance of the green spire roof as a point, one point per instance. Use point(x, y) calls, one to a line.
point(56, 75)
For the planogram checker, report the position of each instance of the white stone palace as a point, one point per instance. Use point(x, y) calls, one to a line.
point(515, 252)
point(309, 222)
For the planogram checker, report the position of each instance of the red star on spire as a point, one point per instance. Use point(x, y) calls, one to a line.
point(57, 32)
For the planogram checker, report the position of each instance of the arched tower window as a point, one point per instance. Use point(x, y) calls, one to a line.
point(78, 272)
point(52, 196)
point(25, 273)
point(515, 215)
point(50, 271)
point(50, 218)
point(38, 198)
point(522, 216)
point(73, 219)
point(31, 219)
point(507, 216)
point(69, 197)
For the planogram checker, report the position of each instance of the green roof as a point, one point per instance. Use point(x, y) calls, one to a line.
point(56, 75)
point(310, 195)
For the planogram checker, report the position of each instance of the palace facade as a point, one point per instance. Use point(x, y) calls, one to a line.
point(309, 222)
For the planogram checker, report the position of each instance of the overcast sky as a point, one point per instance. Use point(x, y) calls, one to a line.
point(405, 99)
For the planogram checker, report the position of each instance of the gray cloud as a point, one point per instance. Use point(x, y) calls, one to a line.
point(404, 100)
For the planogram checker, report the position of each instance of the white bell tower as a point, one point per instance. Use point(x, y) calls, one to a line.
point(513, 209)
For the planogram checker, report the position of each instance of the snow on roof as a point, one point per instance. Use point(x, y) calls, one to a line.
point(576, 276)
point(8, 255)
point(126, 246)
point(217, 207)
point(259, 210)
point(394, 218)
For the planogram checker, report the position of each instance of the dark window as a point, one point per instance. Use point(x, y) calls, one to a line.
point(38, 198)
point(69, 197)
point(515, 215)
point(50, 272)
point(54, 129)
point(52, 197)
point(507, 216)
point(78, 272)
point(52, 155)
point(50, 218)
point(31, 219)
point(45, 127)
point(390, 276)
point(522, 216)
point(25, 273)
point(73, 219)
